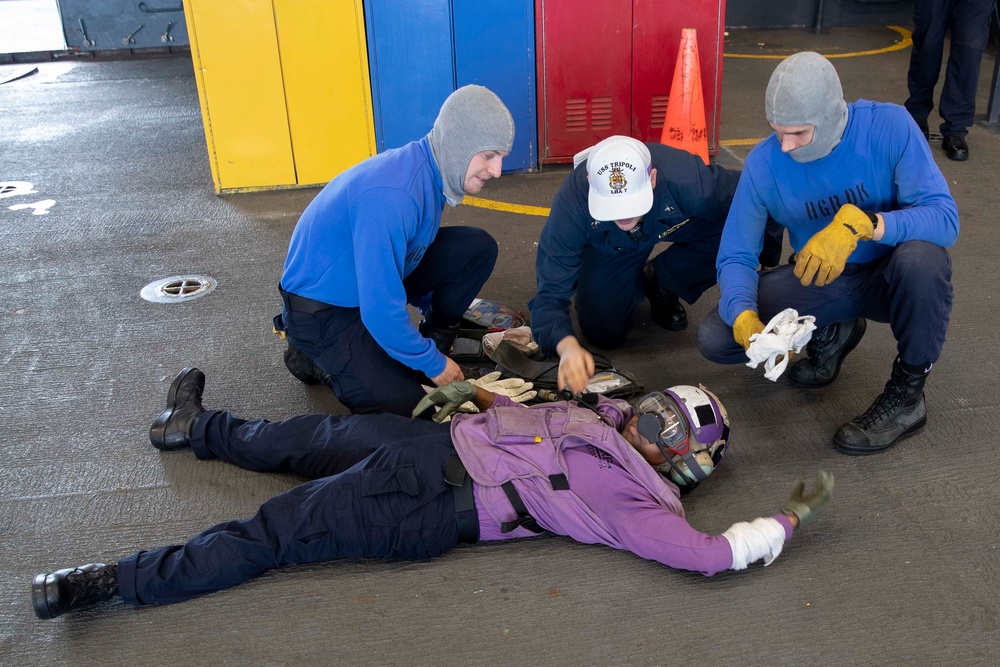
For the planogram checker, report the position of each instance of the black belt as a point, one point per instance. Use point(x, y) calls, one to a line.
point(466, 516)
point(301, 304)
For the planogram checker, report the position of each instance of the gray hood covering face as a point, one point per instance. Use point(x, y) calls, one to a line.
point(805, 90)
point(471, 120)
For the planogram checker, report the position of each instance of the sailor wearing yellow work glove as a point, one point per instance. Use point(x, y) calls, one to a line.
point(746, 325)
point(824, 255)
point(890, 265)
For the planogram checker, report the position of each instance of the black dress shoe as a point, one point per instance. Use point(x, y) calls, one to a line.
point(74, 588)
point(665, 307)
point(171, 430)
point(955, 147)
point(924, 129)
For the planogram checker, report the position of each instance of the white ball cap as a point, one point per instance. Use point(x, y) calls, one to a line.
point(618, 169)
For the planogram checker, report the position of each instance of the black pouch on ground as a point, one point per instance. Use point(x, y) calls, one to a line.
point(465, 349)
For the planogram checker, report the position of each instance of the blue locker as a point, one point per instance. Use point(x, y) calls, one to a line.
point(422, 50)
point(495, 47)
point(412, 66)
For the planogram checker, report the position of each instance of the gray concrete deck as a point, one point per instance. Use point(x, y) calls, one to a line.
point(902, 568)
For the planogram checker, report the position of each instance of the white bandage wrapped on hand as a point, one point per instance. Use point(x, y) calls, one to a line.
point(760, 538)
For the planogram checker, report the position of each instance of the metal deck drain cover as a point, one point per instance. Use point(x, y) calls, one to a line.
point(176, 289)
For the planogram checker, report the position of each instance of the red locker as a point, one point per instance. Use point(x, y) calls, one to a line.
point(605, 67)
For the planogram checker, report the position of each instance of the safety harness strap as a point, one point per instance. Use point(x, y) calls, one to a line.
point(524, 518)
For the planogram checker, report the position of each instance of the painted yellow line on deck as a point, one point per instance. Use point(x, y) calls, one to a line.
point(741, 142)
point(504, 206)
point(904, 43)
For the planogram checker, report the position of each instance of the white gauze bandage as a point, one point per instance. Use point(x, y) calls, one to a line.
point(761, 538)
point(785, 332)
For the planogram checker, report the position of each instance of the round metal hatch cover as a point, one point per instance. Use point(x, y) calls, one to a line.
point(176, 289)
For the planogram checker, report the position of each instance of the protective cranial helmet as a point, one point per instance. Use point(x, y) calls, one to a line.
point(691, 428)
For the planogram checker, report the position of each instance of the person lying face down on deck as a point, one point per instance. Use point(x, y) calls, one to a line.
point(384, 486)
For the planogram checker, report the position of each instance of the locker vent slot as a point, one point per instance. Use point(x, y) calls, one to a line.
point(577, 109)
point(658, 111)
point(576, 114)
point(600, 116)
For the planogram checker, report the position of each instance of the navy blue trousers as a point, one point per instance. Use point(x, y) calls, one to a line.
point(365, 378)
point(969, 22)
point(376, 490)
point(910, 289)
point(610, 287)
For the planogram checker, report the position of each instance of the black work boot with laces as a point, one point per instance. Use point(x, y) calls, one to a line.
point(303, 368)
point(74, 588)
point(898, 412)
point(443, 336)
point(666, 307)
point(826, 351)
point(171, 430)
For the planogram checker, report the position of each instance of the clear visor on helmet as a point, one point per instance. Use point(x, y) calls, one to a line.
point(673, 429)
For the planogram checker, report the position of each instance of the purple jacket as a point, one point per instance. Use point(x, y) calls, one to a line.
point(614, 498)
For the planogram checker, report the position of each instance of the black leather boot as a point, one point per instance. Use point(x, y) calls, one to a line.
point(826, 351)
point(74, 588)
point(443, 336)
point(299, 365)
point(955, 147)
point(898, 412)
point(665, 307)
point(171, 430)
point(304, 369)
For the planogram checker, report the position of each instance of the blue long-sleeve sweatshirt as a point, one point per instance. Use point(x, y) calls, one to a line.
point(882, 164)
point(362, 235)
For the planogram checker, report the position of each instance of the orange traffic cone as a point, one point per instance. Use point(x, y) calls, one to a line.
point(684, 124)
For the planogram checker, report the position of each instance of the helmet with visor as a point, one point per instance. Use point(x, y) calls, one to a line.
point(690, 427)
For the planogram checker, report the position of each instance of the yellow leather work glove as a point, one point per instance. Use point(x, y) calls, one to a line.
point(746, 324)
point(825, 254)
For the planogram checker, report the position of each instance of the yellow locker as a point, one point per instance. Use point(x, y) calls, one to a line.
point(324, 62)
point(284, 90)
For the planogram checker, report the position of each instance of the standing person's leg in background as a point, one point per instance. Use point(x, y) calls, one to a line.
point(970, 31)
point(930, 19)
